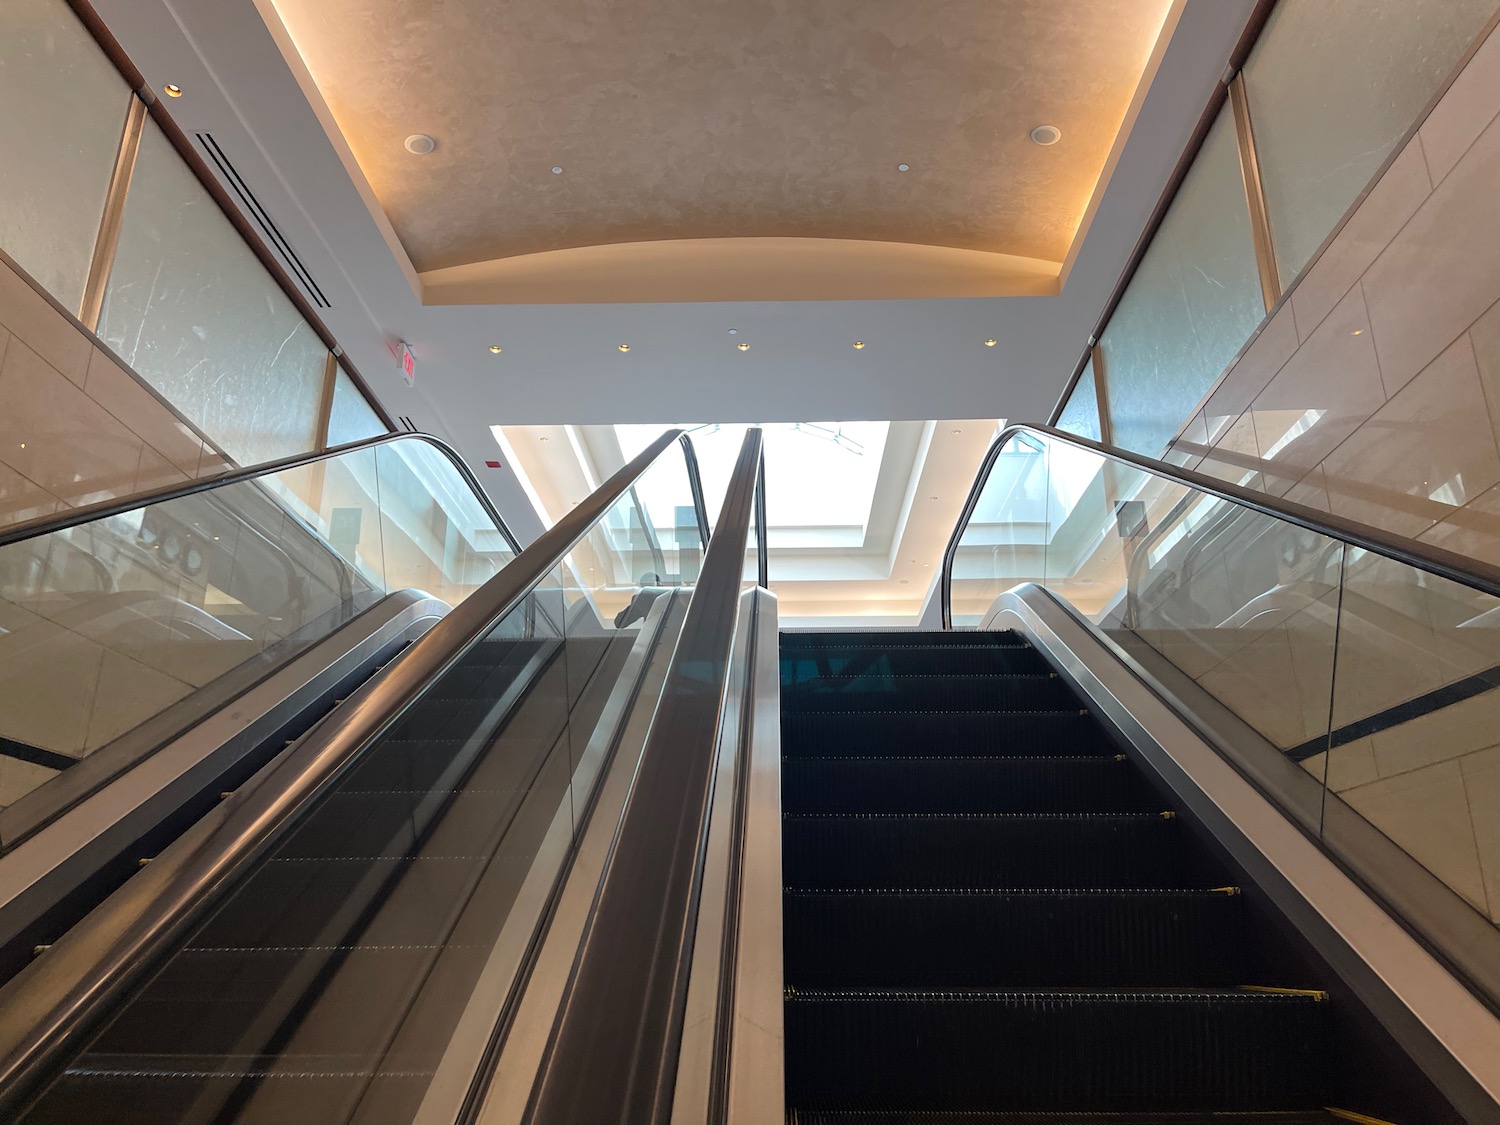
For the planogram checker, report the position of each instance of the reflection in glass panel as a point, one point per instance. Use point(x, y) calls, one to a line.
point(192, 310)
point(1416, 738)
point(1333, 87)
point(1004, 543)
point(1080, 414)
point(351, 418)
point(105, 625)
point(344, 958)
point(1191, 305)
point(64, 110)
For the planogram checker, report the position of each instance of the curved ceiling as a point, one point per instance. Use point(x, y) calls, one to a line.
point(676, 120)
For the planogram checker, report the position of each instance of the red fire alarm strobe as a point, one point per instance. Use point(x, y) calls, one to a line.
point(408, 363)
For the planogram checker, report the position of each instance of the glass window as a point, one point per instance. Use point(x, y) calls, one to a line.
point(1190, 307)
point(1080, 415)
point(60, 132)
point(191, 308)
point(1333, 87)
point(351, 418)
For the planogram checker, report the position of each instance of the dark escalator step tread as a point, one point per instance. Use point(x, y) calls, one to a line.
point(206, 1002)
point(1040, 691)
point(962, 851)
point(892, 638)
point(1091, 783)
point(1095, 1051)
point(95, 1096)
point(943, 734)
point(1010, 939)
point(300, 904)
point(903, 1117)
point(798, 665)
point(404, 764)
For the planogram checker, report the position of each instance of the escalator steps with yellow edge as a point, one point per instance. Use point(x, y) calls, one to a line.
point(989, 917)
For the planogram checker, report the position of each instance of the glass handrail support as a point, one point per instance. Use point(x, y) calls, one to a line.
point(114, 613)
point(1369, 661)
point(362, 878)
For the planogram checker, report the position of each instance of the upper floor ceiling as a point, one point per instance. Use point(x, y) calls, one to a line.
point(677, 150)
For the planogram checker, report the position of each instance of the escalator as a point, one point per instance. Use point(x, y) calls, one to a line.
point(604, 847)
point(317, 948)
point(991, 913)
point(157, 650)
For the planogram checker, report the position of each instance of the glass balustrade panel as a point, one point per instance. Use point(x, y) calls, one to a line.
point(116, 622)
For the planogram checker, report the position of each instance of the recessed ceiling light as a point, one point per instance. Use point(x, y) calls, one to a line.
point(624, 347)
point(557, 169)
point(172, 91)
point(1046, 134)
point(420, 144)
point(543, 439)
point(991, 342)
point(1357, 332)
point(903, 167)
point(859, 345)
point(734, 331)
point(932, 498)
point(743, 347)
point(496, 349)
point(958, 431)
point(905, 581)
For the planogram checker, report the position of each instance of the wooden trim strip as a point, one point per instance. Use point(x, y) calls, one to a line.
point(113, 219)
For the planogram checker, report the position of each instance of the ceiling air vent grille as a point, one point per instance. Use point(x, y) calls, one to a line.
point(262, 218)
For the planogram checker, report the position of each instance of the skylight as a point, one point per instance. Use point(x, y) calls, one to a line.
point(820, 476)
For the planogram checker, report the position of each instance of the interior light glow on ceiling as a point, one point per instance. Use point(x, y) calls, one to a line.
point(743, 347)
point(991, 342)
point(624, 347)
point(496, 349)
point(859, 345)
point(172, 91)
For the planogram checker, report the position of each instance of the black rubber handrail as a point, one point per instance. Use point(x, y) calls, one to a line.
point(51, 1007)
point(613, 1052)
point(1457, 568)
point(88, 513)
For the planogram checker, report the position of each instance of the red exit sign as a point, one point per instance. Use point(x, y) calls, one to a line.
point(408, 363)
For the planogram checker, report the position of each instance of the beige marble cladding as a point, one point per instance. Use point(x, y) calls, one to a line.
point(1373, 392)
point(1374, 388)
point(75, 426)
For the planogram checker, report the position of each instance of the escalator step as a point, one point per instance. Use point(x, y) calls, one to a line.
point(402, 764)
point(1097, 1051)
point(989, 734)
point(904, 1117)
point(962, 851)
point(884, 639)
point(128, 1096)
point(805, 664)
point(1093, 783)
point(1015, 692)
point(1012, 939)
point(303, 904)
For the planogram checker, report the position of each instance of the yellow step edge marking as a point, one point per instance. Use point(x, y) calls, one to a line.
point(1223, 890)
point(1350, 1115)
point(1169, 815)
point(1315, 993)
